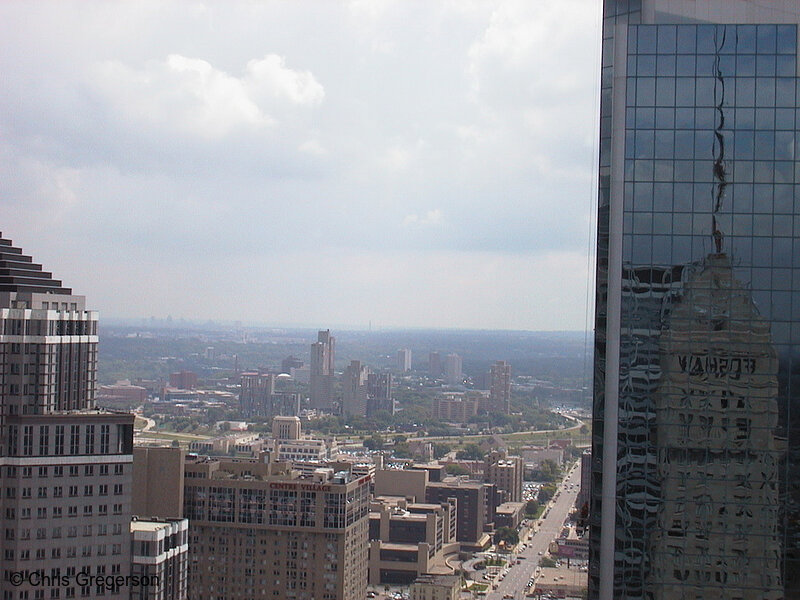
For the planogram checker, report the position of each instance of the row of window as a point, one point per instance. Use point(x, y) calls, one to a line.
point(57, 512)
point(58, 491)
point(13, 472)
point(59, 446)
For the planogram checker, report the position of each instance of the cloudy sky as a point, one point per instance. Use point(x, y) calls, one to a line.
point(411, 163)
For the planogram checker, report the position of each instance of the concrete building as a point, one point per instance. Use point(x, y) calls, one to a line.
point(294, 447)
point(500, 388)
point(121, 392)
point(261, 531)
point(65, 468)
point(475, 504)
point(405, 483)
point(453, 407)
point(434, 364)
point(322, 371)
point(255, 395)
point(379, 394)
point(453, 373)
point(505, 472)
point(694, 452)
point(410, 539)
point(436, 587)
point(354, 389)
point(289, 364)
point(184, 380)
point(158, 482)
point(160, 556)
point(509, 514)
point(403, 361)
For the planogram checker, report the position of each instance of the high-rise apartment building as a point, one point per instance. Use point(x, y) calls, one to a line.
point(379, 393)
point(160, 556)
point(452, 370)
point(500, 387)
point(65, 468)
point(434, 364)
point(323, 357)
point(506, 473)
point(697, 328)
point(261, 531)
point(354, 389)
point(257, 396)
point(403, 364)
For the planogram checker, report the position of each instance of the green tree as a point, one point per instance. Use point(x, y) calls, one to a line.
point(455, 469)
point(374, 442)
point(507, 535)
point(532, 507)
point(470, 452)
point(546, 492)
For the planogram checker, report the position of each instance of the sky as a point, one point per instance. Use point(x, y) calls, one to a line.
point(409, 163)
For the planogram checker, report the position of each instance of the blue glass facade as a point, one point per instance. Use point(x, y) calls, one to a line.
point(707, 346)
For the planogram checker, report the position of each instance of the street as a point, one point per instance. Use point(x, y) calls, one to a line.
point(518, 575)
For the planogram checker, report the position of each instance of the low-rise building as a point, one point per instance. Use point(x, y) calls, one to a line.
point(509, 514)
point(436, 587)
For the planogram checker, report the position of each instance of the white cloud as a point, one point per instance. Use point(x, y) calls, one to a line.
point(269, 76)
point(432, 217)
point(191, 96)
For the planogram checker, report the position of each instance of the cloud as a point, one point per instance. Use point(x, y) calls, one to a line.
point(432, 217)
point(191, 96)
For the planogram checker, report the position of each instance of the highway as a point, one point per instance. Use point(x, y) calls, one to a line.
point(518, 575)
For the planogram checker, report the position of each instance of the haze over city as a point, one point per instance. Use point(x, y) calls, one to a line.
point(412, 164)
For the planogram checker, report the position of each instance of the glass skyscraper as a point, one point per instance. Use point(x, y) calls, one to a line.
point(696, 432)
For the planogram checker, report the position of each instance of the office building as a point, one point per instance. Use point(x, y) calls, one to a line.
point(289, 364)
point(379, 394)
point(260, 530)
point(453, 374)
point(403, 364)
point(354, 389)
point(500, 388)
point(475, 505)
point(697, 326)
point(434, 364)
point(183, 380)
point(323, 358)
point(160, 557)
point(65, 468)
point(408, 539)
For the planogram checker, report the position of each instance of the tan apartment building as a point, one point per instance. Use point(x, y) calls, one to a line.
point(506, 473)
point(261, 530)
point(160, 556)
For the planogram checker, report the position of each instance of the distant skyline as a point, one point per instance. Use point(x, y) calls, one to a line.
point(414, 164)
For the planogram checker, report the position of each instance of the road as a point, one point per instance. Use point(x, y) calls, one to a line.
point(518, 575)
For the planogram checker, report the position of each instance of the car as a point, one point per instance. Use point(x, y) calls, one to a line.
point(539, 553)
point(508, 596)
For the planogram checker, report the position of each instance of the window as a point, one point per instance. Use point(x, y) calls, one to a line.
point(89, 439)
point(74, 440)
point(44, 440)
point(27, 440)
point(59, 447)
point(104, 438)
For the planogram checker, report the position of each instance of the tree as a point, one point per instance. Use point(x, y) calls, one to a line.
point(546, 492)
point(532, 507)
point(455, 469)
point(374, 442)
point(470, 452)
point(507, 535)
point(439, 449)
